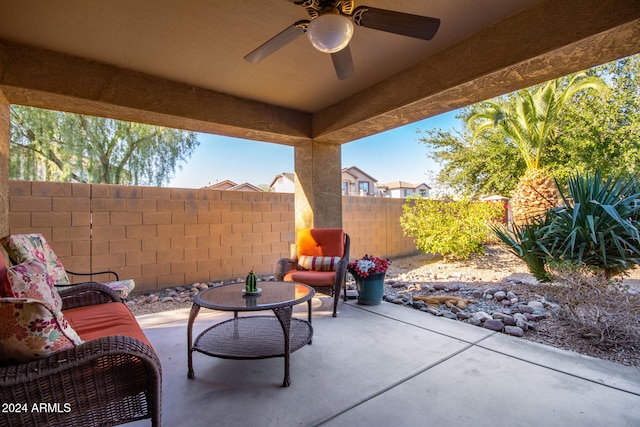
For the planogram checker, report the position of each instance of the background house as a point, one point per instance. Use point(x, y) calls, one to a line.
point(401, 189)
point(228, 185)
point(356, 182)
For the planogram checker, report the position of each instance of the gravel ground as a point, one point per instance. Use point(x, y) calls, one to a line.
point(499, 266)
point(496, 267)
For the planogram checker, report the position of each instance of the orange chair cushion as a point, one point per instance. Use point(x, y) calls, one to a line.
point(103, 320)
point(324, 242)
point(313, 278)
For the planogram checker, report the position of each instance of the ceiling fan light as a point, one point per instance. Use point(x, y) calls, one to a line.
point(330, 33)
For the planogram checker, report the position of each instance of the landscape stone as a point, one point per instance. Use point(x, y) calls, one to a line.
point(514, 330)
point(493, 324)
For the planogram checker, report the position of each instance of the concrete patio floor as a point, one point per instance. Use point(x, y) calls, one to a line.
point(388, 365)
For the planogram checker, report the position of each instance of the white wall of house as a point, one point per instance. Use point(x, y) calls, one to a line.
point(402, 190)
point(283, 183)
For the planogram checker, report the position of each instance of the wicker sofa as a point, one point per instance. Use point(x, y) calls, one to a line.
point(101, 369)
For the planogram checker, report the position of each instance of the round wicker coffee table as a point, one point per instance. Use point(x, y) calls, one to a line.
point(252, 337)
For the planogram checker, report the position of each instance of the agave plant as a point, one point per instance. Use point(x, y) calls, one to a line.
point(598, 224)
point(597, 227)
point(525, 243)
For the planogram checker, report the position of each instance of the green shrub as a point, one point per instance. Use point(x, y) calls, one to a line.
point(454, 229)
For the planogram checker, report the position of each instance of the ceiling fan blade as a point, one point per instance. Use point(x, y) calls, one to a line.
point(277, 42)
point(406, 24)
point(343, 63)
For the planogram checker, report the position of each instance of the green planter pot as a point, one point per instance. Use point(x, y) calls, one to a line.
point(370, 288)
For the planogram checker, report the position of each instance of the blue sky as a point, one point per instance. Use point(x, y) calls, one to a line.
point(395, 155)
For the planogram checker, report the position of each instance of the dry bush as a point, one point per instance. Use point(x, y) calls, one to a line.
point(600, 309)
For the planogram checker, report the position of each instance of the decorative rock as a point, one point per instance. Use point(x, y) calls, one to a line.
point(474, 321)
point(493, 324)
point(509, 321)
point(514, 330)
point(167, 299)
point(500, 295)
point(535, 305)
point(454, 288)
point(499, 316)
point(534, 317)
point(439, 286)
point(481, 316)
point(449, 315)
point(520, 316)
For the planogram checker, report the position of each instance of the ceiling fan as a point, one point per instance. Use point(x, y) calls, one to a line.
point(330, 29)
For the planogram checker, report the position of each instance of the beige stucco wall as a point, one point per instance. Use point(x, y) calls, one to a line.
point(164, 237)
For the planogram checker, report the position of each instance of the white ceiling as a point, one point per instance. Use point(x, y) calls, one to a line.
point(203, 42)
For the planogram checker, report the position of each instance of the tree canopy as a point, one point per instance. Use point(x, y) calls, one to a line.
point(67, 147)
point(595, 131)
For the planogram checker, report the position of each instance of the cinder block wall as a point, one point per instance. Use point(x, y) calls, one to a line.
point(164, 237)
point(373, 224)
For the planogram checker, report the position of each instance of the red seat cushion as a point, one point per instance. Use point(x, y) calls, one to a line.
point(317, 278)
point(103, 320)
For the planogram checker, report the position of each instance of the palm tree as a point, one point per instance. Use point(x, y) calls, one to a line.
point(530, 121)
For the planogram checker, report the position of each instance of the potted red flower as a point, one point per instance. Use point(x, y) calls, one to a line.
point(368, 273)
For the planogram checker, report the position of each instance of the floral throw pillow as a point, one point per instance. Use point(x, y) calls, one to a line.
point(31, 329)
point(32, 280)
point(318, 263)
point(28, 247)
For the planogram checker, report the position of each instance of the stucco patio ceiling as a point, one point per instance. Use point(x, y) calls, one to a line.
point(180, 63)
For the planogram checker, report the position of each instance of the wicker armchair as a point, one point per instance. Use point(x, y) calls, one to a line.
point(321, 262)
point(106, 381)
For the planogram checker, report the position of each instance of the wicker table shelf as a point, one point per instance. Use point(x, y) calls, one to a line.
point(252, 337)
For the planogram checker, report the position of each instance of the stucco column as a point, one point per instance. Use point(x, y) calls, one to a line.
point(5, 137)
point(318, 195)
